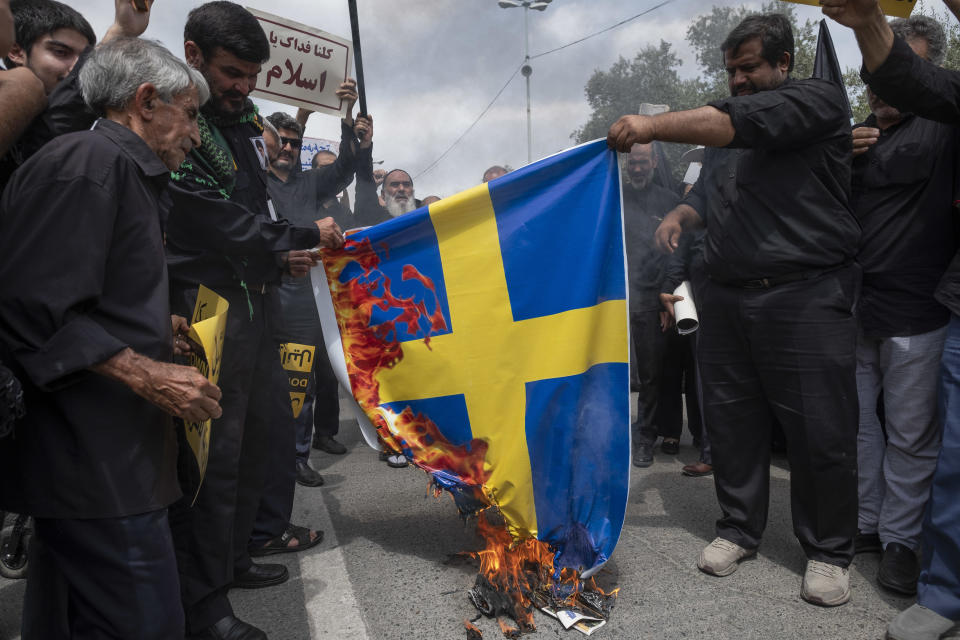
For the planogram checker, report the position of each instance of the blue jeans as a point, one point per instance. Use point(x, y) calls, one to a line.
point(939, 586)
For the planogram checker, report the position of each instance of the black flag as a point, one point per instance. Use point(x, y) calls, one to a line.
point(826, 66)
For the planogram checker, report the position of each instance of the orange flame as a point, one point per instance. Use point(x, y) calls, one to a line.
point(369, 350)
point(519, 569)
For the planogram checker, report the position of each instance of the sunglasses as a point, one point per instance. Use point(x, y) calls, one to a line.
point(293, 142)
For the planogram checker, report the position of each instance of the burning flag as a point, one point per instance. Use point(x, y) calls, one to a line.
point(485, 337)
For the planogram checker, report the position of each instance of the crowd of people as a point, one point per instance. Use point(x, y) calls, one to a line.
point(821, 257)
point(823, 265)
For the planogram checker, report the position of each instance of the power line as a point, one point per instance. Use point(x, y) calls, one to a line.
point(514, 75)
point(472, 125)
point(610, 28)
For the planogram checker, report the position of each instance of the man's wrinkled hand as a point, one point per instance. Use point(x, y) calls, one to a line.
point(181, 391)
point(667, 236)
point(852, 13)
point(864, 138)
point(630, 130)
point(331, 234)
point(300, 262)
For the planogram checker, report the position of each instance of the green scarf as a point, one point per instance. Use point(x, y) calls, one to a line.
point(211, 165)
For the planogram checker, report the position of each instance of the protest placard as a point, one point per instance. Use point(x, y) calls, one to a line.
point(306, 65)
point(312, 146)
point(892, 8)
point(207, 328)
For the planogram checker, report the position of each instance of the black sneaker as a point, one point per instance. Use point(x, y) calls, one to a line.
point(867, 543)
point(670, 447)
point(899, 569)
point(328, 444)
point(642, 455)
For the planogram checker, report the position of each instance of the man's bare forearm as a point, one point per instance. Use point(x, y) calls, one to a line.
point(22, 98)
point(707, 126)
point(127, 367)
point(687, 217)
point(875, 39)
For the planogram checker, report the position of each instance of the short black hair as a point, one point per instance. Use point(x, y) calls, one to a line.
point(228, 25)
point(33, 19)
point(774, 31)
point(283, 120)
point(313, 160)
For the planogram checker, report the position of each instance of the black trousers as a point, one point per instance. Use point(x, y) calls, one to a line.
point(788, 352)
point(326, 410)
point(211, 536)
point(276, 502)
point(648, 346)
point(678, 385)
point(109, 578)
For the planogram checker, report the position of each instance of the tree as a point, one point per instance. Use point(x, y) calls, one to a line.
point(654, 74)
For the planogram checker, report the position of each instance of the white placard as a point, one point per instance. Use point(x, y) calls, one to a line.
point(312, 146)
point(306, 65)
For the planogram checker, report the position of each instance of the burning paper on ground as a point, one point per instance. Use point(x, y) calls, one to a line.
point(485, 338)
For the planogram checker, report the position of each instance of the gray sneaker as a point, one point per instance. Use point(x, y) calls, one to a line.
point(919, 623)
point(722, 557)
point(825, 584)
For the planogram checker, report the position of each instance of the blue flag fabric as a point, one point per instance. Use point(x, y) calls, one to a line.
point(486, 337)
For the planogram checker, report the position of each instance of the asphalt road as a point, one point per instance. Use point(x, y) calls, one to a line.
point(389, 566)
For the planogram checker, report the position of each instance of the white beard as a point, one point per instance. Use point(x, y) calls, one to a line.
point(396, 208)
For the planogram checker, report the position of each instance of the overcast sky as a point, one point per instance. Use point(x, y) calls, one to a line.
point(431, 66)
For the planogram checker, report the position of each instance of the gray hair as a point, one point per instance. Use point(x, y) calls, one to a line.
point(115, 70)
point(923, 27)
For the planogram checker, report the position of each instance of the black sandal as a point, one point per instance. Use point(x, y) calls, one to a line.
point(281, 544)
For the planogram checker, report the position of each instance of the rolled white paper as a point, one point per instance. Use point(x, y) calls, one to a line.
point(685, 311)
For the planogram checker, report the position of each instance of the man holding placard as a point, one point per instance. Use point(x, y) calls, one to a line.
point(220, 233)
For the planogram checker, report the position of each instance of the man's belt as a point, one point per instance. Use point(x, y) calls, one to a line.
point(768, 283)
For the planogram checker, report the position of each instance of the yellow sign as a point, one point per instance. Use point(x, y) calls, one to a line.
point(207, 328)
point(297, 358)
point(892, 8)
point(296, 400)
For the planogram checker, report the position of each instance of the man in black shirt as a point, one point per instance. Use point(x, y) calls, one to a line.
point(778, 333)
point(644, 205)
point(88, 331)
point(220, 234)
point(903, 193)
point(901, 78)
point(301, 197)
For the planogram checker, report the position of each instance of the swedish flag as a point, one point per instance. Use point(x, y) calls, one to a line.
point(500, 316)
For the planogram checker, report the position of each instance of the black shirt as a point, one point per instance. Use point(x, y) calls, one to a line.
point(82, 276)
point(910, 83)
point(776, 200)
point(903, 196)
point(304, 196)
point(218, 241)
point(643, 211)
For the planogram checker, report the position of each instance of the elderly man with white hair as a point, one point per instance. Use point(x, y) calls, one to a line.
point(85, 323)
